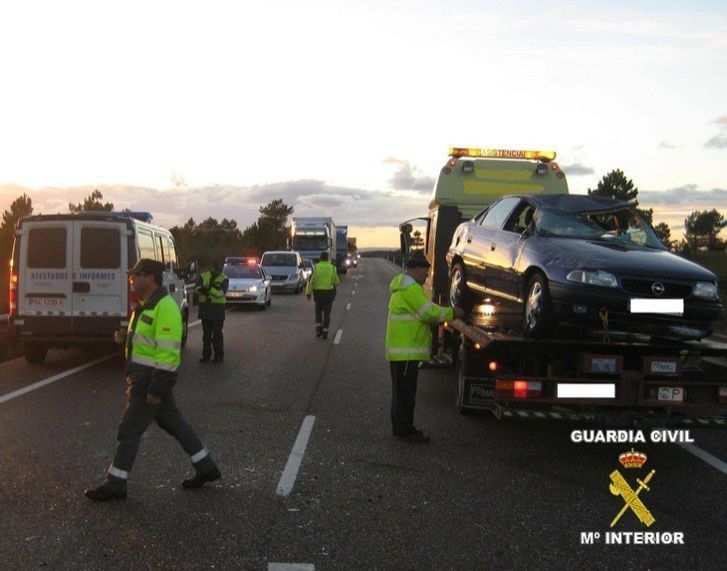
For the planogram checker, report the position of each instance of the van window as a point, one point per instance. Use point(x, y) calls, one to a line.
point(146, 246)
point(171, 255)
point(100, 248)
point(161, 242)
point(47, 248)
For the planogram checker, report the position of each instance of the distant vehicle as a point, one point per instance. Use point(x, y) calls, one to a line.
point(285, 270)
point(307, 269)
point(569, 259)
point(68, 283)
point(341, 247)
point(248, 284)
point(313, 235)
point(351, 261)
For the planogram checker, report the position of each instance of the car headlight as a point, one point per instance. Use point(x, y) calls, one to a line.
point(348, 262)
point(597, 278)
point(705, 290)
point(252, 289)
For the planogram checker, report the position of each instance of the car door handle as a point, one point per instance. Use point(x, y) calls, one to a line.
point(469, 240)
point(492, 247)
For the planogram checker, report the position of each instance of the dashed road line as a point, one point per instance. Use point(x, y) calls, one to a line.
point(54, 378)
point(194, 323)
point(337, 339)
point(348, 307)
point(291, 567)
point(706, 456)
point(287, 480)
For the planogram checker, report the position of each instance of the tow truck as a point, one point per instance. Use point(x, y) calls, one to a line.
point(601, 376)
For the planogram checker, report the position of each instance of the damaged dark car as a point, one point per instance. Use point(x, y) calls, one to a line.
point(582, 261)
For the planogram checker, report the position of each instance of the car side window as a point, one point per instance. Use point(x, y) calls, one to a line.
point(520, 219)
point(498, 213)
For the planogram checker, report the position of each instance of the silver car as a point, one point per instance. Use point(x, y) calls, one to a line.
point(285, 270)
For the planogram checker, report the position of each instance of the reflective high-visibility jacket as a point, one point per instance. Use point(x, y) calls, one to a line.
point(212, 304)
point(410, 320)
point(154, 342)
point(325, 277)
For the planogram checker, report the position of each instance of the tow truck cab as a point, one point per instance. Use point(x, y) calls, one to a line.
point(68, 283)
point(469, 182)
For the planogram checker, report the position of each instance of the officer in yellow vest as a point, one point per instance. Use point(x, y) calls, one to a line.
point(211, 289)
point(409, 341)
point(153, 354)
point(322, 285)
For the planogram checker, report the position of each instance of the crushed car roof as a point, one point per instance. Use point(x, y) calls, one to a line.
point(577, 202)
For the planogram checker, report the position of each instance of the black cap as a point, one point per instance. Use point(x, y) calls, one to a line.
point(417, 261)
point(147, 266)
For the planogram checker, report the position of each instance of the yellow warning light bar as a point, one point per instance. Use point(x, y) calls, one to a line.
point(545, 156)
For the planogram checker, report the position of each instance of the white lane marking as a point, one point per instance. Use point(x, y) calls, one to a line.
point(353, 292)
point(54, 378)
point(287, 480)
point(706, 456)
point(194, 323)
point(291, 567)
point(337, 339)
point(348, 307)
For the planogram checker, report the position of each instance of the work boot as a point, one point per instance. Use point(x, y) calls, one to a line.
point(204, 360)
point(324, 335)
point(318, 331)
point(218, 360)
point(107, 491)
point(414, 438)
point(201, 477)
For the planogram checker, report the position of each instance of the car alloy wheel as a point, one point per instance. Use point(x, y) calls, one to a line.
point(538, 317)
point(459, 293)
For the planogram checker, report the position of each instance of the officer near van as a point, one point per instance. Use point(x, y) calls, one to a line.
point(322, 286)
point(408, 341)
point(153, 353)
point(211, 289)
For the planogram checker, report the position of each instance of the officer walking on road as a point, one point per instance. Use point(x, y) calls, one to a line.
point(211, 289)
point(153, 354)
point(322, 285)
point(408, 341)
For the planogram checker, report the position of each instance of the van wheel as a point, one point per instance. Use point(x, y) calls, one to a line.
point(35, 352)
point(459, 294)
point(185, 327)
point(538, 316)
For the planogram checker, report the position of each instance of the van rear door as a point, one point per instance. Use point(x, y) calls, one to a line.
point(46, 276)
point(99, 279)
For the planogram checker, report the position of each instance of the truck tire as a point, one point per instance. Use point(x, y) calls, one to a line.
point(459, 294)
point(538, 316)
point(35, 352)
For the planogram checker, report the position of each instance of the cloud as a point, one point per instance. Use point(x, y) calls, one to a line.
point(178, 180)
point(666, 145)
point(686, 195)
point(721, 121)
point(577, 169)
point(409, 178)
point(717, 142)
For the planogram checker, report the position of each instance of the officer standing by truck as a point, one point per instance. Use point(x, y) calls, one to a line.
point(211, 289)
point(153, 354)
point(322, 285)
point(409, 341)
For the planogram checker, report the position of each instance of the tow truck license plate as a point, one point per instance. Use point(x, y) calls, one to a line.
point(672, 394)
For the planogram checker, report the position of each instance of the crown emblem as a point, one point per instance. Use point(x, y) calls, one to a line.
point(632, 459)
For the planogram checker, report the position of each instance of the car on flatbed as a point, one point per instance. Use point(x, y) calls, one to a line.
point(580, 260)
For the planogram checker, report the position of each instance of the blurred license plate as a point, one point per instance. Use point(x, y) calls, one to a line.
point(673, 394)
point(234, 294)
point(46, 302)
point(668, 306)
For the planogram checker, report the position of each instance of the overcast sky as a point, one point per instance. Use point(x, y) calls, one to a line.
point(348, 108)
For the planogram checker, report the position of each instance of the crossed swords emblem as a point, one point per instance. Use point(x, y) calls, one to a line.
point(620, 487)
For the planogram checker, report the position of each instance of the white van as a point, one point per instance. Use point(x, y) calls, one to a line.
point(68, 283)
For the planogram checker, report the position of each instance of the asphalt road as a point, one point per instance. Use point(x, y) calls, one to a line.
point(483, 494)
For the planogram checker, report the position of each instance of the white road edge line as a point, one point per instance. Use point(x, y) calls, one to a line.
point(287, 480)
point(706, 456)
point(194, 323)
point(54, 378)
point(348, 307)
point(291, 567)
point(337, 339)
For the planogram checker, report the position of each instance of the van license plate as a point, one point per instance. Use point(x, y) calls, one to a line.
point(671, 394)
point(46, 302)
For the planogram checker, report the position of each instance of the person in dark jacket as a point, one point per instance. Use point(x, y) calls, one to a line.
point(211, 289)
point(153, 353)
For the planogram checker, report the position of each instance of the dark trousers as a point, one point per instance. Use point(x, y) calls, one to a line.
point(404, 376)
point(212, 338)
point(138, 415)
point(323, 315)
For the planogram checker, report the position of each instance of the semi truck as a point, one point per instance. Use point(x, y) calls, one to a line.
point(599, 376)
point(313, 235)
point(341, 244)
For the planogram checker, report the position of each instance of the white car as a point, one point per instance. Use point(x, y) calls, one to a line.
point(307, 269)
point(248, 283)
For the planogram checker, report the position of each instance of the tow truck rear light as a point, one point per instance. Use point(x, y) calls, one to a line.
point(722, 395)
point(518, 389)
point(13, 298)
point(537, 155)
point(492, 366)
